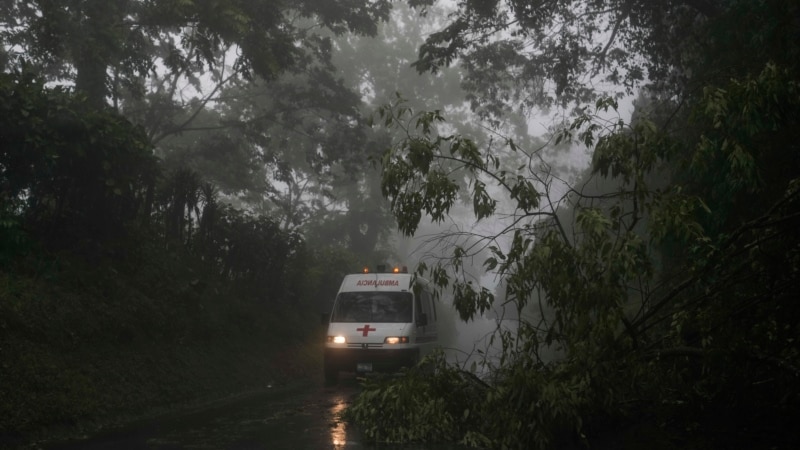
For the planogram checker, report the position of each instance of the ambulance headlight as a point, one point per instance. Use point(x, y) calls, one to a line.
point(396, 340)
point(337, 339)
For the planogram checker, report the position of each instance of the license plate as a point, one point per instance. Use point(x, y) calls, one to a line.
point(364, 367)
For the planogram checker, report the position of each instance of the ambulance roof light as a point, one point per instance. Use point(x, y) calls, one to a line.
point(382, 268)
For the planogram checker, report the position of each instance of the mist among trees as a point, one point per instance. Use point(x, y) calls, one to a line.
point(188, 180)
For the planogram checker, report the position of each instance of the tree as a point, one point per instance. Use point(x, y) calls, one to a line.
point(669, 298)
point(171, 66)
point(270, 146)
point(380, 68)
point(70, 172)
point(241, 94)
point(527, 55)
point(104, 44)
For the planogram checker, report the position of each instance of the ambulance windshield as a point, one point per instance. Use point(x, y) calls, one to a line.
point(373, 307)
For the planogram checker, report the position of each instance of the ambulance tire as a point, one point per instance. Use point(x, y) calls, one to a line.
point(331, 375)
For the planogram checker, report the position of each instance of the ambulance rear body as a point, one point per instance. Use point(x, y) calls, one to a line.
point(380, 322)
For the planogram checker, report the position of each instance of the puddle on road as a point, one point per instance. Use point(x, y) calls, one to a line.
point(338, 427)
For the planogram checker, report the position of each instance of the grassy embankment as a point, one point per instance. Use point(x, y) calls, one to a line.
point(85, 346)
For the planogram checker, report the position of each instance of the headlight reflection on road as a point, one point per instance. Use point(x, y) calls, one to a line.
point(338, 432)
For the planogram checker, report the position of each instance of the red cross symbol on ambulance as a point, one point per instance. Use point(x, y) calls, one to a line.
point(365, 330)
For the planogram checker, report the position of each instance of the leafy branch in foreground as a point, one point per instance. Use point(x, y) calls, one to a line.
point(661, 291)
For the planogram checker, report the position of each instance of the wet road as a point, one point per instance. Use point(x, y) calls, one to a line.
point(298, 416)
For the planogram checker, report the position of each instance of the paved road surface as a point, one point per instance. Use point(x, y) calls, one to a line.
point(301, 416)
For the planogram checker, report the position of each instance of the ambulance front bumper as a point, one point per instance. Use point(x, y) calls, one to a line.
point(381, 359)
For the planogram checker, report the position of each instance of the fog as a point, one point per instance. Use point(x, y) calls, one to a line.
point(475, 344)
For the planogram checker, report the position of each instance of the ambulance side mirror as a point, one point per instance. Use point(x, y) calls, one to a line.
point(422, 320)
point(324, 318)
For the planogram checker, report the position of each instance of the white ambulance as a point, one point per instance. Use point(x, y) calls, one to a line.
point(381, 321)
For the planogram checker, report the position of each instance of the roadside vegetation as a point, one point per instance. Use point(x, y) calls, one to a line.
point(168, 228)
point(651, 300)
point(113, 305)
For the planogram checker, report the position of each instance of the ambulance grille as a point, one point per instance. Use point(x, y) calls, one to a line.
point(365, 345)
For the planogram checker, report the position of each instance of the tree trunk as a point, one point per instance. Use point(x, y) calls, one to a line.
point(96, 46)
